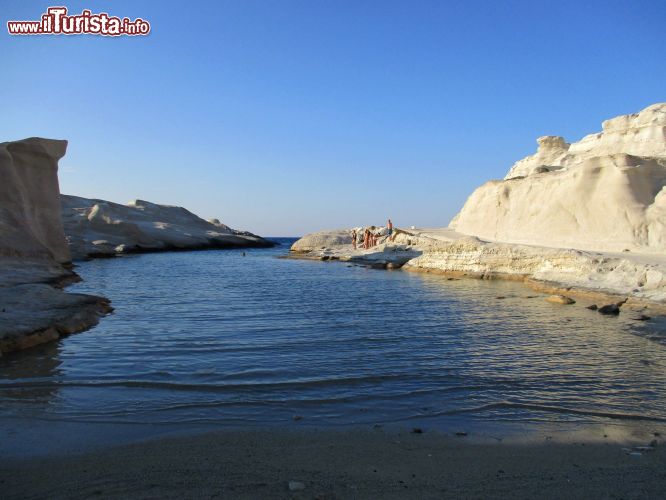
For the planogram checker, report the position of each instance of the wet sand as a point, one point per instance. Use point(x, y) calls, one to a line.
point(357, 463)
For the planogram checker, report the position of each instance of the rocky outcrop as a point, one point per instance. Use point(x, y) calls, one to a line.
point(33, 250)
point(97, 228)
point(30, 225)
point(447, 252)
point(589, 216)
point(606, 192)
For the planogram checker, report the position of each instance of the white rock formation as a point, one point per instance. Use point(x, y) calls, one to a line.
point(630, 275)
point(33, 250)
point(30, 225)
point(606, 192)
point(564, 216)
point(98, 227)
point(639, 276)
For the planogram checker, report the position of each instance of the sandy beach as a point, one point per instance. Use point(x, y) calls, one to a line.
point(360, 463)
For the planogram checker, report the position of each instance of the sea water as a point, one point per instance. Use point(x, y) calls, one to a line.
point(245, 338)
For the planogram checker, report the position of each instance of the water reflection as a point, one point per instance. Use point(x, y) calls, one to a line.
point(217, 337)
point(26, 378)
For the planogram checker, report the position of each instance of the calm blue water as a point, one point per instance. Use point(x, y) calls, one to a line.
point(218, 337)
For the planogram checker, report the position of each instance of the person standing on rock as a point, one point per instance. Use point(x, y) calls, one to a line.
point(389, 226)
point(371, 236)
point(353, 235)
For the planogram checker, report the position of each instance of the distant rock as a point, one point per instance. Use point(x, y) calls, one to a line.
point(33, 251)
point(606, 192)
point(97, 228)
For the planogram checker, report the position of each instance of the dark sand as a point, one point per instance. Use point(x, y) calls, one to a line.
point(357, 463)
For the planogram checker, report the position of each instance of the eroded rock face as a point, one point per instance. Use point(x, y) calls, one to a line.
point(99, 228)
point(33, 250)
point(606, 192)
point(551, 153)
point(30, 225)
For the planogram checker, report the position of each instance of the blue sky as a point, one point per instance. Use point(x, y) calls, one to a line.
point(284, 117)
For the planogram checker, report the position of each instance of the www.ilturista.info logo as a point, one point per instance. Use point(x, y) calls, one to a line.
point(56, 22)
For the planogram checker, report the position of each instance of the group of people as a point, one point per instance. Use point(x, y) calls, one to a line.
point(371, 235)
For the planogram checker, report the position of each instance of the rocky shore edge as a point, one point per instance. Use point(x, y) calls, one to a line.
point(42, 232)
point(35, 313)
point(585, 219)
point(633, 283)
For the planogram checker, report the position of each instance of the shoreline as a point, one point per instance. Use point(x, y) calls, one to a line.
point(350, 463)
point(554, 288)
point(59, 314)
point(595, 277)
point(130, 251)
point(545, 287)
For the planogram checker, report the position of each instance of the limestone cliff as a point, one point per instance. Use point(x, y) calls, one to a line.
point(606, 192)
point(30, 225)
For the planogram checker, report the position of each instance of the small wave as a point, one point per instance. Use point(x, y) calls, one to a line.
point(148, 384)
point(552, 409)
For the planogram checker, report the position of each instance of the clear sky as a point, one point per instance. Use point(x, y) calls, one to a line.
point(284, 117)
